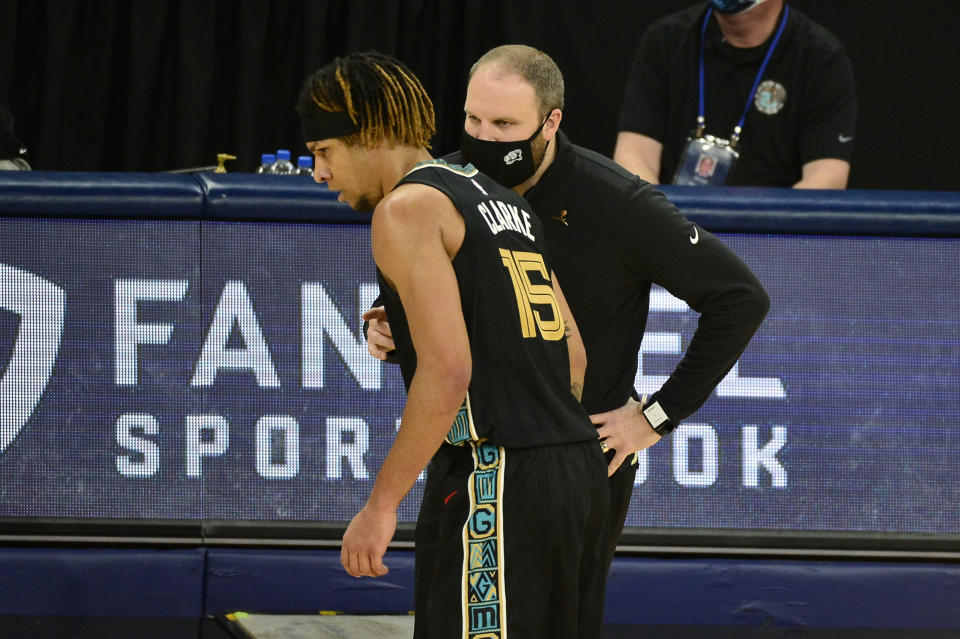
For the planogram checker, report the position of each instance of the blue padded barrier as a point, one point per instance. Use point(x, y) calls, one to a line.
point(273, 197)
point(303, 581)
point(724, 592)
point(773, 210)
point(688, 592)
point(99, 195)
point(101, 582)
point(921, 213)
point(239, 196)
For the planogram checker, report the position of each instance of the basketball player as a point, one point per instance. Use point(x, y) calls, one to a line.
point(492, 361)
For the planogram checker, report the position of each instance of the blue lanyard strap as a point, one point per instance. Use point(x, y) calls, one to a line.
point(701, 118)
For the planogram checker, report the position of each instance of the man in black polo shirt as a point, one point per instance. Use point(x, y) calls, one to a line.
point(767, 68)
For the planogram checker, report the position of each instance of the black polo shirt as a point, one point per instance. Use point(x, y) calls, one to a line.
point(807, 110)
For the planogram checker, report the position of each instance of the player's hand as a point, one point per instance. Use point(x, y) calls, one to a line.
point(379, 336)
point(365, 542)
point(624, 430)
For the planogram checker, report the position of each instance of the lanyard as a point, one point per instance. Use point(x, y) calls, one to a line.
point(701, 119)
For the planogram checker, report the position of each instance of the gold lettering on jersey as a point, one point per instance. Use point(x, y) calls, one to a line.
point(501, 216)
point(520, 265)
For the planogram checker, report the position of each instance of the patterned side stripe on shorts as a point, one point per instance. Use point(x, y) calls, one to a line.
point(463, 429)
point(485, 605)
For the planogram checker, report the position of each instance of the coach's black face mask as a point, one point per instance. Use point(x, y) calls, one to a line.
point(508, 163)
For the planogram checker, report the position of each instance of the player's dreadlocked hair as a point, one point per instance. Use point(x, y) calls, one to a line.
point(372, 96)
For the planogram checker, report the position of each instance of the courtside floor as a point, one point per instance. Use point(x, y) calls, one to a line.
point(260, 626)
point(244, 625)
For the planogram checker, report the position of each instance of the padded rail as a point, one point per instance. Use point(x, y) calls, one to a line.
point(303, 581)
point(101, 582)
point(296, 198)
point(99, 195)
point(771, 210)
point(722, 592)
point(705, 593)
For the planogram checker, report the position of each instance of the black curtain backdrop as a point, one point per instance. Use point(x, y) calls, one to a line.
point(153, 85)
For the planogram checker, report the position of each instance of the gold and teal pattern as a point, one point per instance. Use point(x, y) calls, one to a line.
point(462, 430)
point(485, 604)
point(467, 170)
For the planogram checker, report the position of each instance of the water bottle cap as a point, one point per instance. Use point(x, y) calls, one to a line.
point(268, 158)
point(304, 160)
point(283, 154)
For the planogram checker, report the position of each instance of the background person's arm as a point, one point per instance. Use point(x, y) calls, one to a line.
point(828, 173)
point(639, 154)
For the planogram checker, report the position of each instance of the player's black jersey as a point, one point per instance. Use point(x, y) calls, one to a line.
point(519, 393)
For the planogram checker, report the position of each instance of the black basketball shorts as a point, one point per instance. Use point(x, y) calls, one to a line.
point(510, 543)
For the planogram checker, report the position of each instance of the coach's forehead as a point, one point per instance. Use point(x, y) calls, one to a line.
point(493, 86)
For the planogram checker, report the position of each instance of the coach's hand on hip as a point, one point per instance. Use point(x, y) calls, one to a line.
point(625, 430)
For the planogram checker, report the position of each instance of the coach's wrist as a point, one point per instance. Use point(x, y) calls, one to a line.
point(656, 417)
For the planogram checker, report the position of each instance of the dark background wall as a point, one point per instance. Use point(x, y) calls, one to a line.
point(154, 85)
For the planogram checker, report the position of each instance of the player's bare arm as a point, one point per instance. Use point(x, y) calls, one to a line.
point(414, 231)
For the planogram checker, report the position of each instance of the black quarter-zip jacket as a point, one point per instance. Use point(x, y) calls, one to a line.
point(611, 235)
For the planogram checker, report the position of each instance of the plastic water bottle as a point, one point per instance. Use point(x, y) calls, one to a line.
point(305, 165)
point(283, 165)
point(266, 163)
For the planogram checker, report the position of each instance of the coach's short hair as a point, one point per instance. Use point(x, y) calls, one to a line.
point(534, 66)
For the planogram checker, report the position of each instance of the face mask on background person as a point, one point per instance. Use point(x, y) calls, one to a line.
point(733, 7)
point(508, 163)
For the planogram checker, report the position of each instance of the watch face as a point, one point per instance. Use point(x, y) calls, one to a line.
point(655, 414)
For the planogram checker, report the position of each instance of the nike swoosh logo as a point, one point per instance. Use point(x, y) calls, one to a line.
point(845, 138)
point(696, 236)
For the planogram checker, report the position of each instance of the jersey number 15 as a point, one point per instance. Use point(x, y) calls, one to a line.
point(520, 264)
